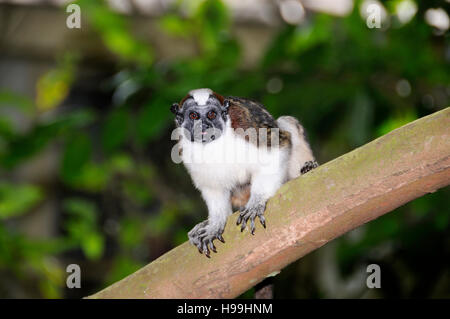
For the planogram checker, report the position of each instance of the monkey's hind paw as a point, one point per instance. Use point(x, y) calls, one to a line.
point(203, 235)
point(251, 213)
point(310, 165)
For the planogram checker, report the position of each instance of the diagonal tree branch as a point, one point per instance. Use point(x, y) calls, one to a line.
point(305, 214)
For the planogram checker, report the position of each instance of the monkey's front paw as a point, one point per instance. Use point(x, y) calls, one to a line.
point(251, 213)
point(203, 235)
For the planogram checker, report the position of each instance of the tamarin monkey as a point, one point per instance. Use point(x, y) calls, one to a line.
point(228, 147)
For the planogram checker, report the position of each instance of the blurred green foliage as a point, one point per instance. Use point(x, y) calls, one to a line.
point(115, 33)
point(53, 87)
point(121, 202)
point(82, 227)
point(17, 199)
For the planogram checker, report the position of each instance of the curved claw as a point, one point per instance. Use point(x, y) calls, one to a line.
point(221, 239)
point(262, 220)
point(242, 216)
point(212, 247)
point(205, 249)
point(244, 223)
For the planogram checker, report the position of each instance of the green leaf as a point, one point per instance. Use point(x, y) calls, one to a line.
point(121, 163)
point(76, 155)
point(115, 33)
point(131, 232)
point(76, 119)
point(92, 244)
point(160, 223)
point(54, 86)
point(23, 147)
point(213, 22)
point(82, 226)
point(115, 130)
point(152, 118)
point(6, 128)
point(176, 26)
point(9, 98)
point(137, 191)
point(16, 200)
point(81, 209)
point(92, 177)
point(396, 121)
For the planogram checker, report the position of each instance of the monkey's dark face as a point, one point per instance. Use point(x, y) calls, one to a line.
point(201, 123)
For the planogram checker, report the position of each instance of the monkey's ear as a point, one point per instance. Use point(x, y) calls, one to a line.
point(226, 104)
point(174, 108)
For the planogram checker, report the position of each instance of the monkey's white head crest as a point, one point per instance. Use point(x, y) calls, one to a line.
point(201, 96)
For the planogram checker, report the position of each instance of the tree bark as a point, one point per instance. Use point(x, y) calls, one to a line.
point(305, 214)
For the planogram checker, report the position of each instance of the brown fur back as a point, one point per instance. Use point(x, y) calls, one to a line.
point(245, 114)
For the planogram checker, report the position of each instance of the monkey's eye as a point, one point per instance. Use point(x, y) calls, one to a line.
point(193, 116)
point(211, 115)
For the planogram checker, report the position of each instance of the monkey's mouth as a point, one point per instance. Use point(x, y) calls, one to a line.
point(205, 134)
point(203, 137)
point(206, 137)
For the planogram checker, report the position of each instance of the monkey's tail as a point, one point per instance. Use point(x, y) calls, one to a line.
point(301, 159)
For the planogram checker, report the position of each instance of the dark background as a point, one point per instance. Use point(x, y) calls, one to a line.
point(85, 170)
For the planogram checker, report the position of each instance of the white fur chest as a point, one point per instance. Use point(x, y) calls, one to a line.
point(228, 161)
point(217, 164)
